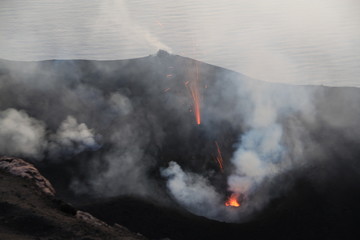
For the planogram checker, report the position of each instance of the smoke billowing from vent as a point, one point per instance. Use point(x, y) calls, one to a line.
point(71, 138)
point(192, 190)
point(21, 134)
point(261, 152)
point(122, 133)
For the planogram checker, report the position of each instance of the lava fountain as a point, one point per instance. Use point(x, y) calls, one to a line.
point(193, 88)
point(232, 201)
point(219, 158)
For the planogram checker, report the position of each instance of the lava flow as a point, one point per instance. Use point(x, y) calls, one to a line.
point(194, 91)
point(219, 158)
point(195, 95)
point(232, 201)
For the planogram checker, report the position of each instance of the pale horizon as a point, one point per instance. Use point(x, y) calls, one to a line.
point(302, 42)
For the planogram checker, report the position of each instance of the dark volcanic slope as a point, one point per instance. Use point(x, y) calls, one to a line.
point(303, 213)
point(141, 116)
point(26, 212)
point(153, 114)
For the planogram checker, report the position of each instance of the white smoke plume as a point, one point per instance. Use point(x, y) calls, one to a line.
point(21, 134)
point(71, 138)
point(262, 153)
point(192, 191)
point(118, 16)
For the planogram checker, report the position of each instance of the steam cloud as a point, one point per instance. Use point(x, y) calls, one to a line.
point(20, 134)
point(192, 190)
point(71, 138)
point(262, 152)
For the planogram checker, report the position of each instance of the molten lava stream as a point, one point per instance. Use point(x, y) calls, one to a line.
point(232, 201)
point(194, 91)
point(193, 88)
point(219, 158)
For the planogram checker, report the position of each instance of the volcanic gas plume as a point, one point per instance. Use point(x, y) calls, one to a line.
point(127, 127)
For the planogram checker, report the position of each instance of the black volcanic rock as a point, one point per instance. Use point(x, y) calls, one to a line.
point(29, 212)
point(303, 213)
point(19, 167)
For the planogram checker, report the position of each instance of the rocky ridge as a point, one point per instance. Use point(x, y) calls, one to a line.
point(29, 209)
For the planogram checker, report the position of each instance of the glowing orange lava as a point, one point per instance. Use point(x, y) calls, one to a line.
point(232, 201)
point(196, 101)
point(219, 158)
point(193, 88)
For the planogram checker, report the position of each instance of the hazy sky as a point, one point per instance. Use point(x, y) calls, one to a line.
point(299, 41)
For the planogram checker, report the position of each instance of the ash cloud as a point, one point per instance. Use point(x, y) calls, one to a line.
point(122, 134)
